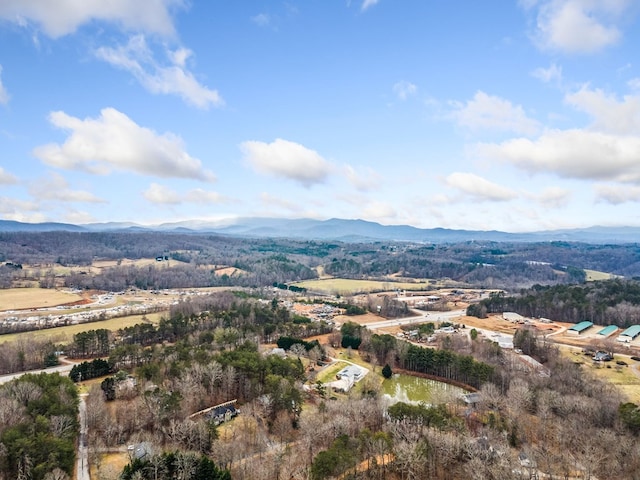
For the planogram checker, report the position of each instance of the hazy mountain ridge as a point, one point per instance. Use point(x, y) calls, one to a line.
point(340, 229)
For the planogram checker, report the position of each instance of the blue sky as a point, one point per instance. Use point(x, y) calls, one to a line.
point(521, 116)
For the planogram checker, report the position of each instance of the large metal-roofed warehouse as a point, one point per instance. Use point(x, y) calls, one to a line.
point(629, 334)
point(607, 331)
point(581, 327)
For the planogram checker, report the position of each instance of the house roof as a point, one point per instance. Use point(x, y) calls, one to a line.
point(582, 326)
point(633, 331)
point(606, 331)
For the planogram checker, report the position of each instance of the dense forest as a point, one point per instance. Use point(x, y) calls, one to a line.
point(38, 427)
point(265, 261)
point(611, 302)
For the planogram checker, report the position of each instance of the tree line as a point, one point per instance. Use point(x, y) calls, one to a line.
point(608, 302)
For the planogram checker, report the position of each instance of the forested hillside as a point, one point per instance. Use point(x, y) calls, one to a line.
point(265, 261)
point(611, 302)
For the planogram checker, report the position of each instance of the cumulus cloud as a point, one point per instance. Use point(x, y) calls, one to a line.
point(63, 17)
point(493, 113)
point(573, 153)
point(609, 114)
point(286, 159)
point(56, 187)
point(548, 75)
point(617, 194)
point(115, 142)
point(7, 178)
point(553, 197)
point(362, 180)
point(174, 78)
point(379, 212)
point(164, 195)
point(4, 95)
point(366, 4)
point(478, 188)
point(404, 89)
point(577, 26)
point(19, 210)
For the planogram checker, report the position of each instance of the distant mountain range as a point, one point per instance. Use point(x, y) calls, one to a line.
point(340, 230)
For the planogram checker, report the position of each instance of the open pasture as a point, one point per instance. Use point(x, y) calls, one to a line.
point(594, 275)
point(25, 298)
point(66, 333)
point(345, 286)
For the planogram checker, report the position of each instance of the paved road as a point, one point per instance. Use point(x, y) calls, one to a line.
point(82, 462)
point(59, 369)
point(422, 318)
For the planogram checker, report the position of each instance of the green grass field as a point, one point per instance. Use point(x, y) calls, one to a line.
point(344, 286)
point(65, 334)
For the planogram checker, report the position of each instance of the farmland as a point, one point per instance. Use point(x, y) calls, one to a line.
point(66, 333)
point(28, 298)
point(344, 286)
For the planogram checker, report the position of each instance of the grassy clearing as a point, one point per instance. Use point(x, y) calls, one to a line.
point(594, 275)
point(22, 298)
point(625, 378)
point(65, 334)
point(328, 374)
point(345, 286)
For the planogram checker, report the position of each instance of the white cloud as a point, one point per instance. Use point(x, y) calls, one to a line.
point(617, 194)
point(363, 181)
point(379, 212)
point(577, 26)
point(478, 188)
point(55, 187)
point(16, 209)
point(366, 4)
point(609, 114)
point(286, 159)
point(493, 113)
point(62, 17)
point(262, 19)
point(547, 75)
point(7, 178)
point(573, 153)
point(137, 58)
point(161, 194)
point(267, 199)
point(115, 142)
point(634, 83)
point(553, 197)
point(4, 95)
point(404, 89)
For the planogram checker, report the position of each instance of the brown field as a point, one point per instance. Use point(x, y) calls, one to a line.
point(344, 286)
point(26, 298)
point(230, 271)
point(62, 334)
